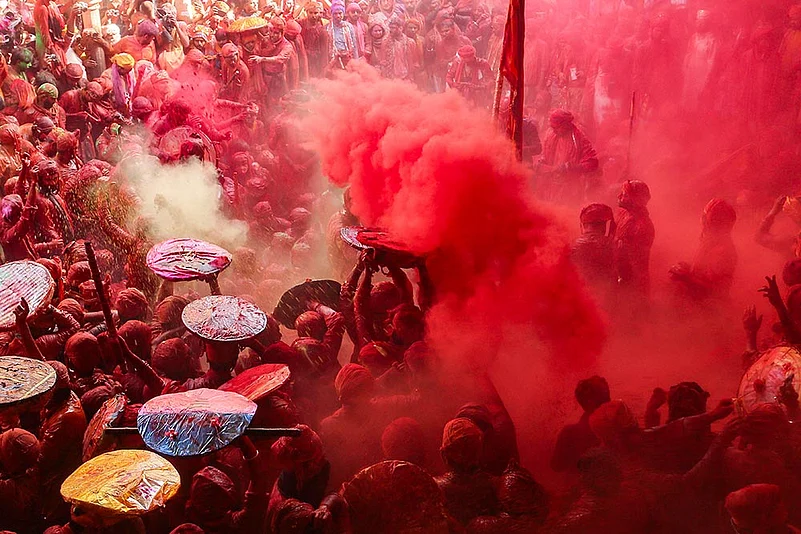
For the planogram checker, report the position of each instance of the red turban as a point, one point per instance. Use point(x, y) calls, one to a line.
point(211, 495)
point(418, 357)
point(520, 495)
point(292, 516)
point(92, 400)
point(72, 307)
point(62, 375)
point(292, 28)
point(384, 296)
point(611, 420)
point(377, 357)
point(229, 49)
point(19, 451)
point(9, 135)
point(277, 23)
point(83, 353)
point(402, 439)
point(132, 304)
point(462, 443)
point(294, 450)
point(139, 337)
point(467, 52)
point(310, 324)
point(168, 311)
point(637, 191)
point(78, 273)
point(757, 507)
point(559, 117)
point(171, 359)
point(720, 214)
point(353, 381)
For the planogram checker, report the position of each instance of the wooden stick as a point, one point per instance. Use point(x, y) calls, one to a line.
point(101, 290)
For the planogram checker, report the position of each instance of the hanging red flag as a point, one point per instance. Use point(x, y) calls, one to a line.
point(511, 68)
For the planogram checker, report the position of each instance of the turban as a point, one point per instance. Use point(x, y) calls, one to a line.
point(292, 515)
point(195, 56)
point(44, 124)
point(9, 134)
point(377, 357)
point(72, 307)
point(638, 191)
point(684, 396)
point(310, 324)
point(384, 296)
point(171, 359)
point(95, 90)
point(462, 442)
point(337, 8)
point(141, 105)
point(19, 450)
point(73, 71)
point(124, 60)
point(720, 214)
point(64, 142)
point(62, 375)
point(757, 507)
point(520, 495)
point(11, 206)
point(229, 49)
point(294, 450)
point(138, 336)
point(402, 439)
point(212, 492)
point(147, 27)
point(168, 311)
point(352, 382)
point(132, 303)
point(277, 23)
point(49, 164)
point(93, 399)
point(263, 210)
point(52, 266)
point(201, 32)
point(467, 52)
point(300, 216)
point(611, 420)
point(478, 413)
point(417, 357)
point(82, 352)
point(596, 213)
point(47, 89)
point(222, 7)
point(292, 28)
point(353, 7)
point(559, 117)
point(78, 273)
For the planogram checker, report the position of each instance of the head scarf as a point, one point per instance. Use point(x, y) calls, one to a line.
point(402, 439)
point(171, 359)
point(758, 506)
point(47, 89)
point(719, 214)
point(229, 49)
point(19, 450)
point(559, 117)
point(132, 303)
point(212, 494)
point(295, 450)
point(462, 443)
point(353, 381)
point(11, 206)
point(82, 352)
point(292, 28)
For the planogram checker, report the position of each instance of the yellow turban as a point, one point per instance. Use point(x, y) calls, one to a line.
point(123, 60)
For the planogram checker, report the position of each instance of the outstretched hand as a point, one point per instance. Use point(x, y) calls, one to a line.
point(22, 311)
point(751, 321)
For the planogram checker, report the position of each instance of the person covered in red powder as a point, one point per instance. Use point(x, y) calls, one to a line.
point(568, 160)
point(712, 273)
point(593, 253)
point(634, 238)
point(576, 439)
point(471, 76)
point(234, 74)
point(759, 508)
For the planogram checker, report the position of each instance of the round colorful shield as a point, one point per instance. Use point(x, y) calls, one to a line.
point(763, 380)
point(258, 382)
point(24, 381)
point(23, 279)
point(121, 483)
point(388, 251)
point(187, 259)
point(224, 318)
point(94, 439)
point(295, 300)
point(194, 422)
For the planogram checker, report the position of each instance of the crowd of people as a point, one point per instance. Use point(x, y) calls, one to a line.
point(386, 443)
